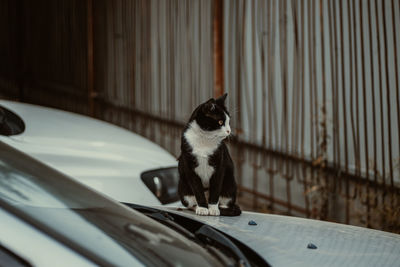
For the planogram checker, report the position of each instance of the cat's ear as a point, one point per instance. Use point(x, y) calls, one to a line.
point(221, 100)
point(209, 105)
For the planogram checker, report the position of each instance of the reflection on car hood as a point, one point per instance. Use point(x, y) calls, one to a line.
point(92, 225)
point(283, 240)
point(94, 152)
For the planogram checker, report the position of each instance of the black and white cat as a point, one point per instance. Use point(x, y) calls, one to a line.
point(207, 183)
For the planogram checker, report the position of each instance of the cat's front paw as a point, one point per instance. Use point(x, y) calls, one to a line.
point(201, 211)
point(213, 209)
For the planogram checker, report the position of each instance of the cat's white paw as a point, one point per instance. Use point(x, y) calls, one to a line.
point(201, 211)
point(213, 209)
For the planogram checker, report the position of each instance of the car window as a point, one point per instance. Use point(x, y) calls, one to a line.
point(100, 229)
point(10, 123)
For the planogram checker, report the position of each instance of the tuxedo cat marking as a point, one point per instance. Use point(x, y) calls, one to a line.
point(207, 182)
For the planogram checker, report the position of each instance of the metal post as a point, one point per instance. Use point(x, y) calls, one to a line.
point(218, 48)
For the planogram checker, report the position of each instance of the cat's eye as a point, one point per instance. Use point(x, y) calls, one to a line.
point(220, 122)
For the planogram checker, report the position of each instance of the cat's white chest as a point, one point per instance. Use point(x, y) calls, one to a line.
point(202, 148)
point(204, 171)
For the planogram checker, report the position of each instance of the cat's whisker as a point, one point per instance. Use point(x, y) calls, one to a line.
point(234, 111)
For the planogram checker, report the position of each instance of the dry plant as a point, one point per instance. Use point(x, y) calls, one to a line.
point(384, 206)
point(318, 190)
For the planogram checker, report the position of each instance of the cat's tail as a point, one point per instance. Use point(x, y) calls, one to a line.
point(233, 210)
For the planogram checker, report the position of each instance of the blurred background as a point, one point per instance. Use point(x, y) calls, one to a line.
point(313, 88)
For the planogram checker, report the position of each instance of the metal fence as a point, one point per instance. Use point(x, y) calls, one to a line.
point(316, 87)
point(313, 88)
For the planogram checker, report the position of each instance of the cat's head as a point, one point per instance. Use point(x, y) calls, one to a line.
point(212, 116)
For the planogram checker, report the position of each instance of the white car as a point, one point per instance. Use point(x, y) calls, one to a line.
point(43, 223)
point(112, 160)
point(258, 239)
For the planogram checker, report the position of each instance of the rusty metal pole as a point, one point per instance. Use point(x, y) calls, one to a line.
point(20, 29)
point(90, 58)
point(218, 48)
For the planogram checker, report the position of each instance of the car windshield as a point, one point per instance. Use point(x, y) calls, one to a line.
point(100, 229)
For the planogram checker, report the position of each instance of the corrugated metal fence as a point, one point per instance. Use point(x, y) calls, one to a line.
point(316, 87)
point(313, 88)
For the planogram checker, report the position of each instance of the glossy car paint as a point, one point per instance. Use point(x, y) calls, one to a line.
point(283, 240)
point(97, 227)
point(98, 154)
point(34, 246)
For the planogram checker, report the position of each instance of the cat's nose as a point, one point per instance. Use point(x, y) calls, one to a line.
point(228, 131)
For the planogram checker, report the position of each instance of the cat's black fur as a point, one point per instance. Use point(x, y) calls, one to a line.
point(221, 182)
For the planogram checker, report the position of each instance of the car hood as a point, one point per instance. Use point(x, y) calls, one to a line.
point(283, 240)
point(106, 157)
